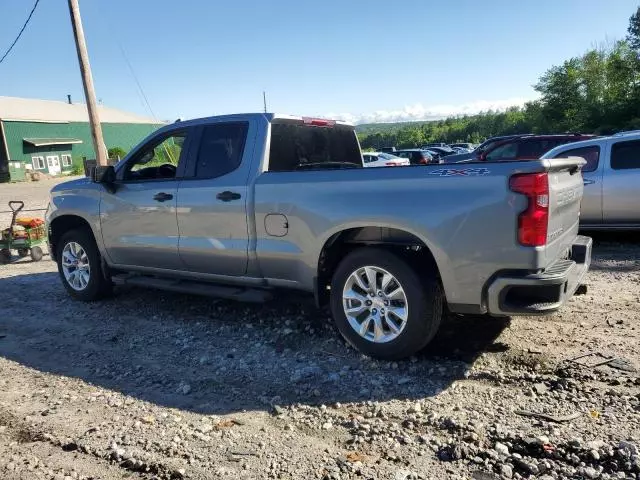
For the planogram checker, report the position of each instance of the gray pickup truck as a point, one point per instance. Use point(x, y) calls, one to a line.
point(239, 206)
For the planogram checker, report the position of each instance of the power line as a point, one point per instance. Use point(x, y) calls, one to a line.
point(135, 78)
point(114, 34)
point(21, 30)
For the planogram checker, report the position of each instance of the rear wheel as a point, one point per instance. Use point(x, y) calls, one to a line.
point(79, 265)
point(36, 254)
point(382, 306)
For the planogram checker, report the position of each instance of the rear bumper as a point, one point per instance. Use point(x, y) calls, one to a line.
point(540, 293)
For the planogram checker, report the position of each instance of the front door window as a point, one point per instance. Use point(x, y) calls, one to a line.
point(157, 162)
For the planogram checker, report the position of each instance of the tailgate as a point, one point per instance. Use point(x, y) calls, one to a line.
point(565, 194)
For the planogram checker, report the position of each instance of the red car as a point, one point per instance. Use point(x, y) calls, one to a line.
point(527, 147)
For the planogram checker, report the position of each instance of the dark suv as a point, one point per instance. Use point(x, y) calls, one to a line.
point(416, 156)
point(526, 147)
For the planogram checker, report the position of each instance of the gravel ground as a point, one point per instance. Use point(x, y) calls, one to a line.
point(159, 385)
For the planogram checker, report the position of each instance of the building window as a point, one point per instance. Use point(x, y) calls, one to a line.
point(38, 163)
point(66, 161)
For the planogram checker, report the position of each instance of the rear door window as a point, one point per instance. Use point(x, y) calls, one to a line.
point(591, 154)
point(221, 148)
point(295, 146)
point(625, 155)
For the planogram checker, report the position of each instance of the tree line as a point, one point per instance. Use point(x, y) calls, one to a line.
point(598, 92)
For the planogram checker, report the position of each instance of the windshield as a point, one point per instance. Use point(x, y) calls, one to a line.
point(388, 156)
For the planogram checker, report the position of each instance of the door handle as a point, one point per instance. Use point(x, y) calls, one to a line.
point(162, 197)
point(227, 196)
point(586, 181)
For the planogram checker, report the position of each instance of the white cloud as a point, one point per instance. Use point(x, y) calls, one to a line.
point(419, 112)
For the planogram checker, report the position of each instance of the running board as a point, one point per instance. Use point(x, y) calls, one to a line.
point(195, 288)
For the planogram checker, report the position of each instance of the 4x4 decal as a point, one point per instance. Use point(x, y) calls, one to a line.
point(462, 172)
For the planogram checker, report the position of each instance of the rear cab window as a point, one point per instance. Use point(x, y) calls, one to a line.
point(297, 146)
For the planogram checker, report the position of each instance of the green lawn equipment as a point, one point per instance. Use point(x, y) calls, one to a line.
point(23, 235)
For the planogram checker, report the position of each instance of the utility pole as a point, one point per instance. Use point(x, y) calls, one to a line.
point(87, 82)
point(264, 100)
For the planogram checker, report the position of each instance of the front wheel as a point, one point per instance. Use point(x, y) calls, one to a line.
point(382, 306)
point(79, 266)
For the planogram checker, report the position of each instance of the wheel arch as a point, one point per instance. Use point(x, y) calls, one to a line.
point(62, 224)
point(399, 239)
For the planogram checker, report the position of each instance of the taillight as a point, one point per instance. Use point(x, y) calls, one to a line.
point(534, 221)
point(424, 161)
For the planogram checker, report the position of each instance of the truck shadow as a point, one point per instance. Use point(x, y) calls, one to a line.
point(219, 357)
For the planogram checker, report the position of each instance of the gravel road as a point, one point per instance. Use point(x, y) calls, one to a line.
point(158, 385)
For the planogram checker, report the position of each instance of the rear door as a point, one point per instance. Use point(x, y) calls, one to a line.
point(621, 184)
point(212, 200)
point(591, 206)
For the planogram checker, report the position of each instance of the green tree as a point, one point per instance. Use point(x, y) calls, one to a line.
point(116, 152)
point(633, 36)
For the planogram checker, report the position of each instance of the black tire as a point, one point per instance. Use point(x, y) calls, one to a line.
point(97, 287)
point(5, 256)
point(23, 252)
point(36, 254)
point(424, 297)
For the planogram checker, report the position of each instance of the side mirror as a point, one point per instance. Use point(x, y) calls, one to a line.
point(106, 176)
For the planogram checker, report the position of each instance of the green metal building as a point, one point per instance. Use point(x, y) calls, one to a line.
point(51, 137)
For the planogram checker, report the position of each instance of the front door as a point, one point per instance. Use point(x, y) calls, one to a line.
point(621, 181)
point(212, 201)
point(138, 220)
point(53, 164)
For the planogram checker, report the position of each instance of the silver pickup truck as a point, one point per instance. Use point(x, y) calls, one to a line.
point(611, 198)
point(238, 206)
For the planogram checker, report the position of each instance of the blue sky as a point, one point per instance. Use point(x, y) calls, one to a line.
point(362, 60)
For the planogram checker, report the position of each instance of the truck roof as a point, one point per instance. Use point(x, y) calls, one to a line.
point(270, 117)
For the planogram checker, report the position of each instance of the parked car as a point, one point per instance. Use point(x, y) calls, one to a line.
point(237, 206)
point(381, 159)
point(467, 146)
point(488, 143)
point(528, 147)
point(611, 199)
point(443, 151)
point(437, 144)
point(416, 156)
point(460, 149)
point(387, 149)
point(436, 157)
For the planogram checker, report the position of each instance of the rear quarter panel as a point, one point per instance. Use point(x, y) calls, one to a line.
point(465, 215)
